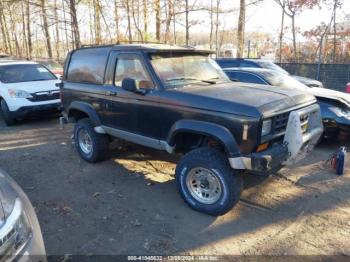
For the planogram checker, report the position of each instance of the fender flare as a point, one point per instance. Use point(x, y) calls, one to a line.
point(87, 109)
point(216, 131)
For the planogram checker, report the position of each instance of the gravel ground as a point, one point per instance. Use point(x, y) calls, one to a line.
point(129, 204)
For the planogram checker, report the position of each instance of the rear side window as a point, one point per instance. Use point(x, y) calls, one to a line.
point(245, 77)
point(248, 64)
point(88, 65)
point(226, 63)
point(24, 73)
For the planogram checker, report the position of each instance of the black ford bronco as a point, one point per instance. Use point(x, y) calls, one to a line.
point(178, 100)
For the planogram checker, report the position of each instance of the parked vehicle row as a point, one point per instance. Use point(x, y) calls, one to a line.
point(335, 106)
point(259, 63)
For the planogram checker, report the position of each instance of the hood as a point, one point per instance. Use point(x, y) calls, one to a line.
point(243, 98)
point(308, 81)
point(331, 94)
point(34, 86)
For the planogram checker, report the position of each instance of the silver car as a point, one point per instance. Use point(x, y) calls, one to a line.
point(20, 233)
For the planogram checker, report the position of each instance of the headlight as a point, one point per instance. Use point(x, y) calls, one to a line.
point(17, 93)
point(16, 230)
point(266, 127)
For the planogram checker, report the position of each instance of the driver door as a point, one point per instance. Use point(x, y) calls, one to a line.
point(126, 106)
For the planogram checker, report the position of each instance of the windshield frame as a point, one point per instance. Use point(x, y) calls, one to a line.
point(187, 79)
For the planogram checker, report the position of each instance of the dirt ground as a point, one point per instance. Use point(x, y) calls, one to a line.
point(129, 204)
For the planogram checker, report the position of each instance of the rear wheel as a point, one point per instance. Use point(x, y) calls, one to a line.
point(6, 113)
point(207, 183)
point(92, 147)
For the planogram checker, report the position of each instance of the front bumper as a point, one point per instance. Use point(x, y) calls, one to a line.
point(267, 161)
point(298, 140)
point(29, 110)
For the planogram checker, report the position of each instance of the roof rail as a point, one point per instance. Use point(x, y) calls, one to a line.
point(119, 43)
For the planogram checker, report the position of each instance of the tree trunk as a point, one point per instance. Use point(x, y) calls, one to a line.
point(168, 20)
point(3, 32)
point(129, 21)
point(211, 25)
point(116, 19)
point(145, 19)
point(241, 29)
point(294, 39)
point(24, 36)
point(157, 11)
point(281, 32)
point(187, 25)
point(136, 22)
point(334, 31)
point(217, 47)
point(75, 27)
point(57, 31)
point(14, 35)
point(97, 22)
point(46, 28)
point(29, 33)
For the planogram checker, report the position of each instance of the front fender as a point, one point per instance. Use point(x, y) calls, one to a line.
point(87, 109)
point(216, 131)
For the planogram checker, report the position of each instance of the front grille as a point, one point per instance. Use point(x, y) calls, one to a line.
point(44, 96)
point(279, 123)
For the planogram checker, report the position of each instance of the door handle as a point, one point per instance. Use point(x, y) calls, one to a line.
point(111, 93)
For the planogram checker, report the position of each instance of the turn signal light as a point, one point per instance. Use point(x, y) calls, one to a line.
point(262, 147)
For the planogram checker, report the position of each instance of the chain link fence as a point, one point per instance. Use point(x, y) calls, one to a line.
point(333, 76)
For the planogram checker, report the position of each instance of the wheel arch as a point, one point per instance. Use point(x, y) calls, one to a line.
point(78, 110)
point(201, 128)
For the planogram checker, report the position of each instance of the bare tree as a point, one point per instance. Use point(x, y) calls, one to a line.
point(157, 12)
point(241, 28)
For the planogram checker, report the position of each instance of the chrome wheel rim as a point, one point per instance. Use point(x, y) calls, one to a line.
point(85, 141)
point(203, 185)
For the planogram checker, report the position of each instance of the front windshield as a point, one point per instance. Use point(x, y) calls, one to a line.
point(178, 70)
point(282, 80)
point(24, 73)
point(270, 65)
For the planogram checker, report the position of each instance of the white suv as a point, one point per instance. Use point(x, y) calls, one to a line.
point(25, 88)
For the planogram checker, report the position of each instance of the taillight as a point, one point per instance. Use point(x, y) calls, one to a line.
point(347, 88)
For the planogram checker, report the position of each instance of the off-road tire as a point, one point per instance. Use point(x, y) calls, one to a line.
point(100, 142)
point(217, 163)
point(6, 113)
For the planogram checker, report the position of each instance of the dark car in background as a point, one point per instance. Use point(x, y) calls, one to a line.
point(259, 63)
point(20, 233)
point(335, 106)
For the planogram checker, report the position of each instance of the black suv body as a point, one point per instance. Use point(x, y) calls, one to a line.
point(179, 100)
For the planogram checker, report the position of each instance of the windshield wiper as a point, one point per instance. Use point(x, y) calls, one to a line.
point(190, 78)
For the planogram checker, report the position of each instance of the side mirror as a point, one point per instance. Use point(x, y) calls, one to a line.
point(131, 85)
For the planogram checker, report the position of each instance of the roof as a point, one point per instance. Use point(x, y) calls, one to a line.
point(154, 48)
point(15, 62)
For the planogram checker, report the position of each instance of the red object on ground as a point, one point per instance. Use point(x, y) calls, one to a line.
point(347, 88)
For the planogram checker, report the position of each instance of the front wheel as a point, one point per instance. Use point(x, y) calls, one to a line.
point(6, 113)
point(92, 147)
point(207, 183)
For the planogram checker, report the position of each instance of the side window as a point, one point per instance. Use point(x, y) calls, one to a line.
point(249, 78)
point(248, 64)
point(88, 65)
point(132, 67)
